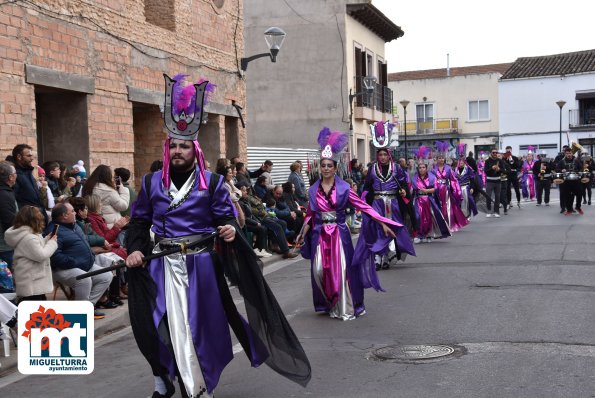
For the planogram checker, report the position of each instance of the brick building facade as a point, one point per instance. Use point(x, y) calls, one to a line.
point(84, 79)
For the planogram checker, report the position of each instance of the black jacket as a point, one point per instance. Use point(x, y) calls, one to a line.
point(537, 168)
point(514, 163)
point(569, 165)
point(8, 206)
point(26, 191)
point(490, 163)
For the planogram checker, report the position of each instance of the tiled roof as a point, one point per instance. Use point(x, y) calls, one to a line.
point(552, 65)
point(439, 73)
point(372, 18)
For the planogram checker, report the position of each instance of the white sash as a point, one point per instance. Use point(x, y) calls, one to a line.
point(178, 195)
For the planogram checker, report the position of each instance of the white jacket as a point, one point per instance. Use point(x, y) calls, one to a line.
point(112, 201)
point(31, 264)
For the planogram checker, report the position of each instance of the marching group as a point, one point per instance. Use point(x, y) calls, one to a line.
point(204, 231)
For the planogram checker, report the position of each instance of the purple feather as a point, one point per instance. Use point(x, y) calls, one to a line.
point(323, 137)
point(461, 149)
point(184, 97)
point(337, 141)
point(441, 146)
point(422, 152)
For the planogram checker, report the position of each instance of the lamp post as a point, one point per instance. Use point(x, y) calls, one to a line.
point(561, 105)
point(274, 38)
point(404, 104)
point(369, 82)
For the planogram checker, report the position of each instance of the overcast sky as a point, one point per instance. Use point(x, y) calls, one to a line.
point(479, 32)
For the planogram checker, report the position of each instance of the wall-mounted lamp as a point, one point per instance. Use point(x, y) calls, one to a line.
point(274, 38)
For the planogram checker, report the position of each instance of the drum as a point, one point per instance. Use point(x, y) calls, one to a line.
point(585, 176)
point(558, 178)
point(572, 176)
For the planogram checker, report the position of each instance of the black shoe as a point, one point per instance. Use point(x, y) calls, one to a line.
point(107, 304)
point(561, 211)
point(290, 255)
point(589, 203)
point(378, 266)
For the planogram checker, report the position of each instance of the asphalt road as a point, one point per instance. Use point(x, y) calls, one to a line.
point(515, 296)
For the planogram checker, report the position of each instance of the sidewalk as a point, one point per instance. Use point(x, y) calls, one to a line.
point(115, 319)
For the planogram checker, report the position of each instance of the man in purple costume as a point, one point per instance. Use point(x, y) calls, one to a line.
point(180, 305)
point(387, 191)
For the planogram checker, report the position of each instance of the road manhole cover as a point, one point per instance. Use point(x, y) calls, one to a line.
point(413, 352)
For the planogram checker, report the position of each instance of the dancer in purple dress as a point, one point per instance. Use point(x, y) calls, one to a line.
point(528, 179)
point(448, 190)
point(467, 181)
point(338, 281)
point(431, 223)
point(180, 306)
point(387, 191)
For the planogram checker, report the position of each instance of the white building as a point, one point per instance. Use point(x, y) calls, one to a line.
point(528, 96)
point(457, 105)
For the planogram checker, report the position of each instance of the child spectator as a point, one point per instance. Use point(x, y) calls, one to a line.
point(32, 272)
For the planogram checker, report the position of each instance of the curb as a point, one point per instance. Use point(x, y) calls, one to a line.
point(115, 319)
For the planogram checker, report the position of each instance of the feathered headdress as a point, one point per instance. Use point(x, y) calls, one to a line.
point(183, 115)
point(530, 150)
point(442, 147)
point(382, 134)
point(332, 144)
point(422, 154)
point(483, 155)
point(461, 149)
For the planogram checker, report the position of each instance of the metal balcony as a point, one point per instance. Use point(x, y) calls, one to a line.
point(578, 119)
point(381, 99)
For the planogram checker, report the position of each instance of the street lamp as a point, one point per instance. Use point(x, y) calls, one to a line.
point(274, 37)
point(369, 83)
point(561, 105)
point(404, 104)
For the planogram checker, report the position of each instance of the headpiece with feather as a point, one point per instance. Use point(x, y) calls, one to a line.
point(422, 154)
point(442, 147)
point(183, 116)
point(332, 144)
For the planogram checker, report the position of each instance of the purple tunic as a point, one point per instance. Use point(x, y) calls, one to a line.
point(393, 182)
point(431, 222)
point(464, 177)
point(195, 214)
point(329, 236)
point(449, 193)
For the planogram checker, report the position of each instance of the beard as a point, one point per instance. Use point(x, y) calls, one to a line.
point(186, 165)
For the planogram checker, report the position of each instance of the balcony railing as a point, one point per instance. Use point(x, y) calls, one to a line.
point(380, 99)
point(580, 119)
point(431, 126)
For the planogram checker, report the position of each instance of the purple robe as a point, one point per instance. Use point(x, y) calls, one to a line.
point(431, 223)
point(330, 238)
point(371, 230)
point(449, 193)
point(465, 176)
point(196, 214)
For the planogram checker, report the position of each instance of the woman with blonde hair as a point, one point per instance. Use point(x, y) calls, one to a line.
point(32, 272)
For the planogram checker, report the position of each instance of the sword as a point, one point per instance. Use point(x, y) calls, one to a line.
point(182, 248)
